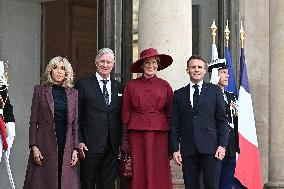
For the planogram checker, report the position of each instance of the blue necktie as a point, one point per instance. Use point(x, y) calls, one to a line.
point(105, 92)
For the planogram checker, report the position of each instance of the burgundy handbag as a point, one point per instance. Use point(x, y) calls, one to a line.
point(125, 164)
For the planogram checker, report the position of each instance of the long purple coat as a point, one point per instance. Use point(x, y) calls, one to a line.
point(42, 134)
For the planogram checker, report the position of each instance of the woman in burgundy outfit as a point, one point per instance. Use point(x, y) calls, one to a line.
point(53, 130)
point(146, 111)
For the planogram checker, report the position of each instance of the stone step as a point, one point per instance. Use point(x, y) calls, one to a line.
point(178, 184)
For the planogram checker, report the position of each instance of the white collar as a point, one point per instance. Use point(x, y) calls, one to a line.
point(99, 77)
point(199, 84)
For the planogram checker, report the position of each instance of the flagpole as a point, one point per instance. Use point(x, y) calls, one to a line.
point(213, 28)
point(248, 170)
point(242, 34)
point(227, 34)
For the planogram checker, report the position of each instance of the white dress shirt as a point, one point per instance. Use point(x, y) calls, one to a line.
point(108, 85)
point(192, 89)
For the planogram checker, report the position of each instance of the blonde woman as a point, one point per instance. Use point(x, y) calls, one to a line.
point(53, 136)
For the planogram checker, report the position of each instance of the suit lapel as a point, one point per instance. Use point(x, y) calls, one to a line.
point(114, 94)
point(97, 91)
point(69, 105)
point(49, 98)
point(203, 95)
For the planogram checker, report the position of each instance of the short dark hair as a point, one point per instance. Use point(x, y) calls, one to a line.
point(198, 57)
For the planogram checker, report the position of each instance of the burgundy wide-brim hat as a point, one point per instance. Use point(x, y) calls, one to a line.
point(165, 60)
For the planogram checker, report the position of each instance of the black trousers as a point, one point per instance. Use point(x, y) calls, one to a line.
point(227, 171)
point(98, 170)
point(191, 166)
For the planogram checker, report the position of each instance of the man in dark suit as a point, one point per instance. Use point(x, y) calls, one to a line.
point(198, 128)
point(228, 164)
point(100, 101)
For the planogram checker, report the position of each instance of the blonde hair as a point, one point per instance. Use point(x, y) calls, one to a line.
point(69, 75)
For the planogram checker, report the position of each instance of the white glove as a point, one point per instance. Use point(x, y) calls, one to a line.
point(215, 76)
point(11, 132)
point(10, 140)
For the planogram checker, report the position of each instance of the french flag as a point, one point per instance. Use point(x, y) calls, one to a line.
point(248, 164)
point(231, 83)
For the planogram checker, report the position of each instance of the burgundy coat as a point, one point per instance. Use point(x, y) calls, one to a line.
point(147, 104)
point(42, 134)
point(146, 111)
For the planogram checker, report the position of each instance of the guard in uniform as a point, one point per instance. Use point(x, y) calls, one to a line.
point(7, 120)
point(220, 76)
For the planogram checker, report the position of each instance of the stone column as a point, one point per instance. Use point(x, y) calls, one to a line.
point(166, 26)
point(276, 103)
point(256, 26)
point(106, 23)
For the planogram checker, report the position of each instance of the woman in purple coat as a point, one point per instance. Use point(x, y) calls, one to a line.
point(53, 136)
point(146, 111)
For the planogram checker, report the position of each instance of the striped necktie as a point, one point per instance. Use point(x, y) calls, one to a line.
point(105, 92)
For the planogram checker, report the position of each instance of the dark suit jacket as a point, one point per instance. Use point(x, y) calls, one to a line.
point(203, 130)
point(233, 144)
point(42, 134)
point(95, 121)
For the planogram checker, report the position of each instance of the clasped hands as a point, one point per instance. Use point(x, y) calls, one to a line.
point(38, 158)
